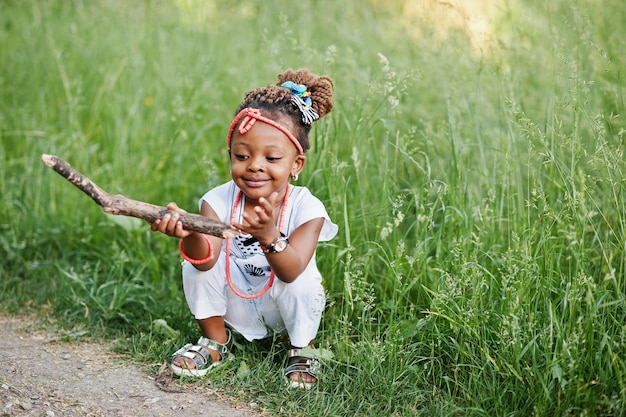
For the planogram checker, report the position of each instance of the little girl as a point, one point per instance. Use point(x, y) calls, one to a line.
point(266, 278)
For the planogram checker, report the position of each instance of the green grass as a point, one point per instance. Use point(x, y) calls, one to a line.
point(481, 195)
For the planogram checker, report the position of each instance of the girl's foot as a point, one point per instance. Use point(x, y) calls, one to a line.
point(301, 369)
point(198, 359)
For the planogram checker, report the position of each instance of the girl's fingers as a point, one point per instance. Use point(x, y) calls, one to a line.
point(250, 219)
point(172, 222)
point(174, 207)
point(271, 200)
point(264, 203)
point(262, 213)
point(166, 224)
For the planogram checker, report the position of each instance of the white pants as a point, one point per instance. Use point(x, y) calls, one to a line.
point(295, 307)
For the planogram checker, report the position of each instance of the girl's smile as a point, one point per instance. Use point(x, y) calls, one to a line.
point(255, 183)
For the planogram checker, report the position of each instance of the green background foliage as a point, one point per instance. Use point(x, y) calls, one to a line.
point(478, 181)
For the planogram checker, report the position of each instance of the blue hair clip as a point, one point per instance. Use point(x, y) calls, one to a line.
point(301, 98)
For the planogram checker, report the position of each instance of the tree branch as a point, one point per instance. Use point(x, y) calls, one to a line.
point(120, 205)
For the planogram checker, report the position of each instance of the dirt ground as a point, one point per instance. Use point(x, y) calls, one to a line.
point(42, 376)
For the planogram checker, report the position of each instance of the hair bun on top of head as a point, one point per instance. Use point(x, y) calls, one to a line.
point(311, 94)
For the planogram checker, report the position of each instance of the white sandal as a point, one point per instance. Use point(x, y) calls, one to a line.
point(201, 356)
point(299, 362)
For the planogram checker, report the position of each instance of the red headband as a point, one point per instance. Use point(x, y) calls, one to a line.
point(251, 116)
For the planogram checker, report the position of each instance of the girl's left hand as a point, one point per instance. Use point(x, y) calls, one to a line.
point(262, 223)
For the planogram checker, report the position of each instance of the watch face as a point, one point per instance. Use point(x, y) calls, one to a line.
point(280, 245)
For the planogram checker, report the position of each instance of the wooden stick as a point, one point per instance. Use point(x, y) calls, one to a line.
point(120, 205)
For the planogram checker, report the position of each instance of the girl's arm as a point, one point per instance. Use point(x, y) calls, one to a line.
point(194, 244)
point(291, 262)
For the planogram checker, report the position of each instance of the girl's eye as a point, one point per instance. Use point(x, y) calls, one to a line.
point(273, 158)
point(241, 157)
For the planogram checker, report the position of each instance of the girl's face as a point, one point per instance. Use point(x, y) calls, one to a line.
point(262, 160)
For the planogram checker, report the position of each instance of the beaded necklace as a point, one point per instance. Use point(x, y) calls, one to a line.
point(233, 215)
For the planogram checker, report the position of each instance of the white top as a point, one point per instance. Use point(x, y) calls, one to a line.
point(252, 269)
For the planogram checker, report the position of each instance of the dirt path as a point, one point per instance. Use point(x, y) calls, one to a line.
point(42, 377)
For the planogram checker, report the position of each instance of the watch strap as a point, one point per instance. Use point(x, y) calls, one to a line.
point(271, 248)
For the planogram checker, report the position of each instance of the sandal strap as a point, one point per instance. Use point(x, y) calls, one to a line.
point(199, 360)
point(222, 349)
point(293, 352)
point(199, 352)
point(182, 350)
point(304, 365)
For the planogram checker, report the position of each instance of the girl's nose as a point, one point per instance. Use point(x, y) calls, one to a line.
point(255, 165)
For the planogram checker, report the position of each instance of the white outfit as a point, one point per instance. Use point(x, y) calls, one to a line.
point(295, 307)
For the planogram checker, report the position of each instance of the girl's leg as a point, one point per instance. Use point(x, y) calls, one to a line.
point(213, 304)
point(205, 295)
point(300, 304)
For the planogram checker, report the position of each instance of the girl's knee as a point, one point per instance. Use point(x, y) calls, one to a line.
point(305, 289)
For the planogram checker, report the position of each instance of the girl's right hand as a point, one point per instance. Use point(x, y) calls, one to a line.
point(170, 223)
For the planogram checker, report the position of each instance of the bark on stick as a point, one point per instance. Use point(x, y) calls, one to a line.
point(120, 205)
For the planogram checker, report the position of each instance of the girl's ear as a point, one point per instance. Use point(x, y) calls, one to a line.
point(298, 165)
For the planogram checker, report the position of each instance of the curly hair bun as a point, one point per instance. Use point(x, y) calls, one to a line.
point(321, 88)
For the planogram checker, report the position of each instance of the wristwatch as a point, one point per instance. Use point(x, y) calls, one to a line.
point(279, 245)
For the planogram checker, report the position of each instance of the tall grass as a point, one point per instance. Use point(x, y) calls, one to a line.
point(480, 266)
